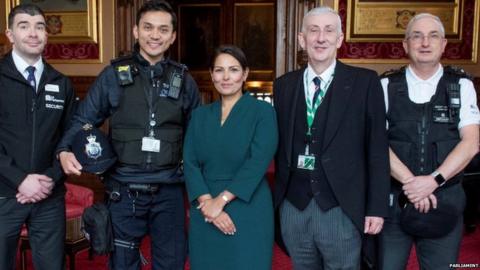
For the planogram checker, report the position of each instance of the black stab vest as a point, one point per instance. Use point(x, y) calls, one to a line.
point(132, 121)
point(422, 135)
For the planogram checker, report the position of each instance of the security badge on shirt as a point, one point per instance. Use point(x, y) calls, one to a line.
point(51, 101)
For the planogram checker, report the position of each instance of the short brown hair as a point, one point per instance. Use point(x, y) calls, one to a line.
point(29, 9)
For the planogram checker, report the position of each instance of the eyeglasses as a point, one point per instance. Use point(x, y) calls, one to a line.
point(419, 37)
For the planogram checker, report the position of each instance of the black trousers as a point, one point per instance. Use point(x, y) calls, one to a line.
point(161, 215)
point(45, 221)
point(432, 253)
point(471, 185)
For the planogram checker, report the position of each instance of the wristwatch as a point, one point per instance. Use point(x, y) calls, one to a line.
point(439, 178)
point(225, 198)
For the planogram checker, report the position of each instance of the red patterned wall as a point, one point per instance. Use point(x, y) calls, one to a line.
point(76, 51)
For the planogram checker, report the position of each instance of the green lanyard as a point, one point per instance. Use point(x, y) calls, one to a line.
point(311, 110)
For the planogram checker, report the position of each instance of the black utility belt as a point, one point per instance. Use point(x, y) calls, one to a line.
point(112, 188)
point(145, 188)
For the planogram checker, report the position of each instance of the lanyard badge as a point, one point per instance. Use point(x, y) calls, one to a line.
point(150, 143)
point(306, 161)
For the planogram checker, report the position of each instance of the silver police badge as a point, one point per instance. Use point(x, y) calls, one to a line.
point(93, 148)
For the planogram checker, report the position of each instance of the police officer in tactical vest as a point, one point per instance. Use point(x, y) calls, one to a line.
point(148, 100)
point(433, 122)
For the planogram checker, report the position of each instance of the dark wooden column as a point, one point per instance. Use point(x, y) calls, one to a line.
point(125, 16)
point(289, 21)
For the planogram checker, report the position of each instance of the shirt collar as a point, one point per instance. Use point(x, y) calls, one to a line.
point(22, 65)
point(326, 74)
point(433, 80)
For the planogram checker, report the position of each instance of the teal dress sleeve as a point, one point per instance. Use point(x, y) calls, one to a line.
point(262, 149)
point(191, 166)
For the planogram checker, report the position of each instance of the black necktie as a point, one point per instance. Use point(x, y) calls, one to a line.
point(316, 81)
point(31, 77)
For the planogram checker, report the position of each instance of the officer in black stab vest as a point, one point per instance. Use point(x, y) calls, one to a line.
point(433, 133)
point(148, 100)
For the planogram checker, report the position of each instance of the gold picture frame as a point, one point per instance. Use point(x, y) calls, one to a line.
point(75, 57)
point(462, 30)
point(376, 21)
point(67, 21)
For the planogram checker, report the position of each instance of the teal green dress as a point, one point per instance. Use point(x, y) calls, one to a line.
point(231, 157)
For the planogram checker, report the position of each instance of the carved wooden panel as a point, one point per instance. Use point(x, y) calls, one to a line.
point(249, 24)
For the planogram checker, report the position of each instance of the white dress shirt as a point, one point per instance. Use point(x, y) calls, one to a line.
point(22, 66)
point(325, 78)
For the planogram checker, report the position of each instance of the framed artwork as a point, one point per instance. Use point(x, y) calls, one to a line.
point(75, 29)
point(68, 21)
point(370, 20)
point(374, 29)
point(80, 32)
point(254, 32)
point(199, 34)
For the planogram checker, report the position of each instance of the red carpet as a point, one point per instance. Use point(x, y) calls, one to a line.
point(469, 253)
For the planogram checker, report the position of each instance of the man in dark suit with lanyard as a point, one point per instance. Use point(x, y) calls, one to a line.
point(332, 177)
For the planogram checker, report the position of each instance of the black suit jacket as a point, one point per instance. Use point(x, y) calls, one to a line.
point(355, 146)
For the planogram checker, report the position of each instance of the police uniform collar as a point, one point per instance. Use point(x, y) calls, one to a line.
point(143, 62)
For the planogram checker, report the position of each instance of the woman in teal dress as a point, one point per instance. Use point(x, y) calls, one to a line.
point(228, 147)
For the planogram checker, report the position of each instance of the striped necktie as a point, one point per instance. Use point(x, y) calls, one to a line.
point(31, 77)
point(318, 90)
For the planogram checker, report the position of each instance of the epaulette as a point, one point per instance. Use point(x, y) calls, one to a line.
point(458, 71)
point(176, 64)
point(119, 60)
point(392, 72)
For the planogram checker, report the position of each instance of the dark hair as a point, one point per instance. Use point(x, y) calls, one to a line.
point(29, 9)
point(157, 5)
point(233, 51)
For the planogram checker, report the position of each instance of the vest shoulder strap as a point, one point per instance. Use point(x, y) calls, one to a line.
point(457, 72)
point(392, 72)
point(397, 84)
point(176, 64)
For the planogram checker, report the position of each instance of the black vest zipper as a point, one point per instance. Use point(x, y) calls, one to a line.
point(423, 136)
point(34, 109)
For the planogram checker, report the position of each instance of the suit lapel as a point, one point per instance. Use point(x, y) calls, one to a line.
point(342, 87)
point(296, 87)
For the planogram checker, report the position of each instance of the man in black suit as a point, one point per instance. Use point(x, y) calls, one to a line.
point(332, 177)
point(36, 103)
